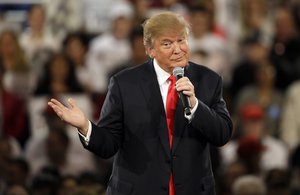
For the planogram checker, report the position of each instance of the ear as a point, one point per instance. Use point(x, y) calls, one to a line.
point(151, 52)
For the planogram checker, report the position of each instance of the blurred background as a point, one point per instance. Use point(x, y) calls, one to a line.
point(70, 48)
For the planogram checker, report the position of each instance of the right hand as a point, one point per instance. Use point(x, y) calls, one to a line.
point(73, 115)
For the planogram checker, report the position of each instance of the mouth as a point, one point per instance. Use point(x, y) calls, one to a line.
point(179, 59)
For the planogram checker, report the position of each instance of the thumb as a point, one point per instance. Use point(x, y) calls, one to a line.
point(72, 103)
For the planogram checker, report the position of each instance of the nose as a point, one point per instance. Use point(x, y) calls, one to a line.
point(177, 48)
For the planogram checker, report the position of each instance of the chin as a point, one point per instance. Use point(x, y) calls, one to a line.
point(181, 64)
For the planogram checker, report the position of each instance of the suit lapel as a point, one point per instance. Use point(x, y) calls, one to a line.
point(151, 91)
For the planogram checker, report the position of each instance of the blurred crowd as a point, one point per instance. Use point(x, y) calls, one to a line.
point(71, 48)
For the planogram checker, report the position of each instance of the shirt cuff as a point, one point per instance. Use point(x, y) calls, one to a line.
point(190, 117)
point(88, 134)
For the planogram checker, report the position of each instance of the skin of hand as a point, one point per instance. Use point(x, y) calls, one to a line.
point(187, 88)
point(73, 115)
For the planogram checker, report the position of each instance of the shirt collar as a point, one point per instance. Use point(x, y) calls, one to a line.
point(162, 76)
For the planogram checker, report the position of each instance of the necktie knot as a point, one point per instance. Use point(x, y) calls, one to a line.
point(172, 79)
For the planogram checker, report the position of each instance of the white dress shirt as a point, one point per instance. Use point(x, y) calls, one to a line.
point(163, 82)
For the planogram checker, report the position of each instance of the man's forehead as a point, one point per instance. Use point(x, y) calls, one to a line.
point(170, 35)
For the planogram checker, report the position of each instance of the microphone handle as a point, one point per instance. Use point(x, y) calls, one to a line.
point(184, 99)
point(186, 103)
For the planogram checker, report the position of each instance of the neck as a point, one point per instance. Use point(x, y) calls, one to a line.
point(161, 67)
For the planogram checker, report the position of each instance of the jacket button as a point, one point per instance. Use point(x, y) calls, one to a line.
point(168, 161)
point(174, 156)
point(164, 188)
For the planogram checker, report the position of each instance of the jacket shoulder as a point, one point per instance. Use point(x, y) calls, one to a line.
point(135, 72)
point(200, 70)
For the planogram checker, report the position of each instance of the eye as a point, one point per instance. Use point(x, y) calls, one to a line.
point(166, 44)
point(181, 40)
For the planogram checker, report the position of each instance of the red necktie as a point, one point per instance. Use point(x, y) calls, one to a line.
point(172, 98)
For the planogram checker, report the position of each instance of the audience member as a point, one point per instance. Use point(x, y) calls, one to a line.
point(137, 49)
point(58, 77)
point(264, 93)
point(112, 48)
point(215, 7)
point(95, 15)
point(249, 152)
point(35, 40)
point(290, 124)
point(255, 141)
point(249, 185)
point(9, 149)
point(285, 49)
point(75, 47)
point(207, 47)
point(17, 172)
point(277, 182)
point(168, 5)
point(12, 123)
point(231, 172)
point(46, 182)
point(141, 11)
point(253, 53)
point(256, 19)
point(63, 17)
point(17, 76)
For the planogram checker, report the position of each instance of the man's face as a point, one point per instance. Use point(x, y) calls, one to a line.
point(170, 50)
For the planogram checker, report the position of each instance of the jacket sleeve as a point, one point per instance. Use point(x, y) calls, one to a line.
point(107, 135)
point(213, 121)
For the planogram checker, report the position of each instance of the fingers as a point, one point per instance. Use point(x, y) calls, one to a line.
point(56, 109)
point(57, 103)
point(72, 103)
point(187, 88)
point(185, 85)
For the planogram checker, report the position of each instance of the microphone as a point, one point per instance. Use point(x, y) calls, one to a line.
point(178, 72)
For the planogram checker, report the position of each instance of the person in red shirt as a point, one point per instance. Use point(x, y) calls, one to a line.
point(13, 120)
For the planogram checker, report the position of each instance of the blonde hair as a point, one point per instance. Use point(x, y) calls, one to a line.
point(163, 23)
point(20, 63)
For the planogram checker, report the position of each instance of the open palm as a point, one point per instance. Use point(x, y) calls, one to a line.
point(73, 115)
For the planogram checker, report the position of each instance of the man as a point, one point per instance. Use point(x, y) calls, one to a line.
point(157, 151)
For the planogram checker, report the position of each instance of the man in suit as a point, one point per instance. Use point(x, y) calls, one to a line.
point(157, 153)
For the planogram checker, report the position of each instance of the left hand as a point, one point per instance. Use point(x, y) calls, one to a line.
point(187, 88)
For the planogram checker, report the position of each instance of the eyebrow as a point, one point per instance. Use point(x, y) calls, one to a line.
point(165, 40)
point(169, 40)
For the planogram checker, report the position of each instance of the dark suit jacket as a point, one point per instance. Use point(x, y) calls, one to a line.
point(133, 127)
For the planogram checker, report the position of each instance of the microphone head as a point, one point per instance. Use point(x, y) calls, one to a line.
point(178, 72)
